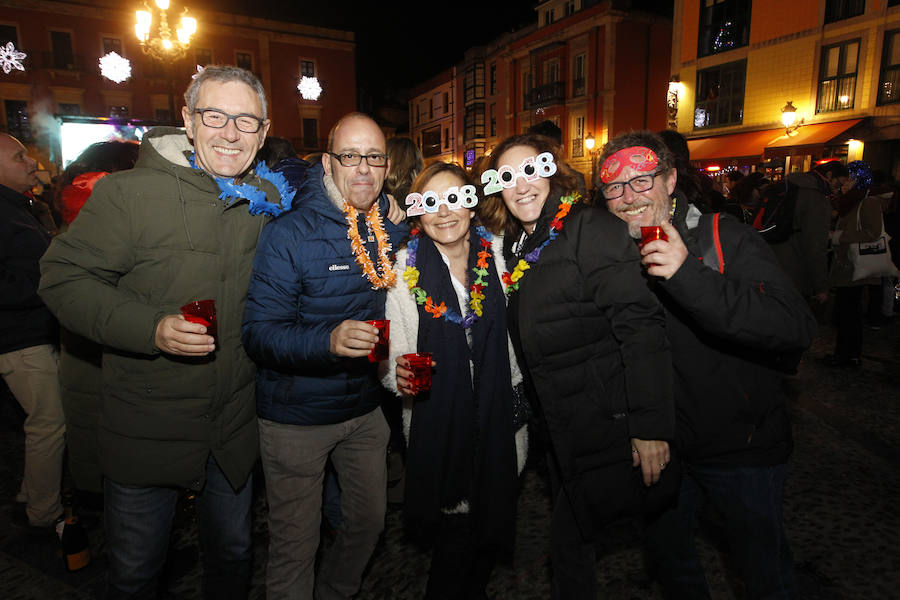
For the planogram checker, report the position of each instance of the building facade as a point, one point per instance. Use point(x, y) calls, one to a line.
point(63, 42)
point(738, 64)
point(592, 68)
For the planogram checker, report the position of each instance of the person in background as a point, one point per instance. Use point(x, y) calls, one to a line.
point(804, 255)
point(279, 155)
point(465, 446)
point(591, 340)
point(80, 374)
point(744, 200)
point(726, 325)
point(28, 339)
point(551, 130)
point(696, 186)
point(859, 220)
point(732, 178)
point(178, 406)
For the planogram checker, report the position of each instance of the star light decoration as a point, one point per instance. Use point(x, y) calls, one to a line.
point(10, 58)
point(115, 68)
point(309, 88)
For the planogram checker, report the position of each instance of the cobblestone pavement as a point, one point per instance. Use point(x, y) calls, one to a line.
point(840, 510)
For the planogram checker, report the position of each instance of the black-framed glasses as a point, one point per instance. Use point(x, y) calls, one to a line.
point(641, 183)
point(217, 119)
point(352, 159)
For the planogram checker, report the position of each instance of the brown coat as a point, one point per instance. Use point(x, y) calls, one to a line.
point(868, 229)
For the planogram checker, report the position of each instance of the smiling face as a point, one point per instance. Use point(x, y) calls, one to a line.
point(17, 169)
point(642, 209)
point(445, 227)
point(525, 200)
point(225, 152)
point(359, 185)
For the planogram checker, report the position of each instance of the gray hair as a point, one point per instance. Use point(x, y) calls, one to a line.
point(224, 74)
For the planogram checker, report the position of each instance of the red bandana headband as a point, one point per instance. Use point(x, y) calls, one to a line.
point(639, 158)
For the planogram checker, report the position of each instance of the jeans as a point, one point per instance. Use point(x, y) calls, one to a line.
point(138, 521)
point(31, 375)
point(293, 458)
point(750, 499)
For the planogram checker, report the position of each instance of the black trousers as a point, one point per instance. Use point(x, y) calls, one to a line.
point(460, 567)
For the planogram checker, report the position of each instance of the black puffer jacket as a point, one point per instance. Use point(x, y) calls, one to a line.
point(591, 338)
point(726, 330)
point(24, 320)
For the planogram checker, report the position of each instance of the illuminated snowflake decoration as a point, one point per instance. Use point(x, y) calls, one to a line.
point(115, 68)
point(309, 88)
point(10, 58)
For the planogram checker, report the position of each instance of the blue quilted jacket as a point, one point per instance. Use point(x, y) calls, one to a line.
point(305, 281)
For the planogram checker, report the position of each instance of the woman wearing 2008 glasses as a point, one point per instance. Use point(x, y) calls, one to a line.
point(462, 457)
point(590, 338)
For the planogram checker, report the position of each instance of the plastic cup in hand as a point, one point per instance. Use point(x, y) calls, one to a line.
point(203, 312)
point(380, 351)
point(420, 366)
point(653, 232)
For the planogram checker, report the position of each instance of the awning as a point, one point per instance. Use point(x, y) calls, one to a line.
point(813, 134)
point(754, 143)
point(735, 145)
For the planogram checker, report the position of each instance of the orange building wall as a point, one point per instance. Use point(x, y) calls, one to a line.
point(690, 29)
point(642, 75)
point(772, 19)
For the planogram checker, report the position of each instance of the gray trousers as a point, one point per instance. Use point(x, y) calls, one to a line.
point(293, 459)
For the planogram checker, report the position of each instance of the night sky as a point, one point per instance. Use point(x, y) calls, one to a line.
point(399, 43)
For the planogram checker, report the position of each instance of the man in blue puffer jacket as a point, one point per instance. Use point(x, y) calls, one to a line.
point(321, 271)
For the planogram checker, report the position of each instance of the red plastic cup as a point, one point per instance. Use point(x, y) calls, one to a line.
point(203, 312)
point(420, 365)
point(380, 351)
point(653, 232)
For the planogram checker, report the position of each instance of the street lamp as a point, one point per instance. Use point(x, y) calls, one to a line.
point(589, 144)
point(789, 118)
point(160, 44)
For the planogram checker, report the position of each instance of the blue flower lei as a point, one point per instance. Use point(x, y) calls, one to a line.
point(256, 196)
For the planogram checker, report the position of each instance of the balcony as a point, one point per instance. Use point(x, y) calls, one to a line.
point(60, 61)
point(578, 88)
point(545, 95)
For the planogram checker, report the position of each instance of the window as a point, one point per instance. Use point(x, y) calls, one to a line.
point(570, 7)
point(724, 25)
point(446, 139)
point(310, 133)
point(112, 45)
point(243, 60)
point(203, 56)
point(162, 115)
point(307, 68)
point(551, 71)
point(446, 103)
point(889, 85)
point(120, 111)
point(431, 141)
point(474, 121)
point(720, 95)
point(69, 109)
point(494, 120)
point(578, 87)
point(17, 123)
point(430, 108)
point(61, 43)
point(578, 138)
point(8, 34)
point(474, 82)
point(493, 79)
point(837, 77)
point(838, 10)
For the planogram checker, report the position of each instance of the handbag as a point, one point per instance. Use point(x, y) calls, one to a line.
point(871, 259)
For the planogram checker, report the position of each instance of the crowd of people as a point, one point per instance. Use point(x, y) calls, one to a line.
point(648, 374)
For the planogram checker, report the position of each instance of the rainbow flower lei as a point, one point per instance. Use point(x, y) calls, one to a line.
point(373, 220)
point(476, 290)
point(511, 280)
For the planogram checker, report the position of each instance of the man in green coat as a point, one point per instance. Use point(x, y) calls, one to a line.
point(178, 404)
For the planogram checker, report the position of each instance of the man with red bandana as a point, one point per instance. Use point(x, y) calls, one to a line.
point(727, 326)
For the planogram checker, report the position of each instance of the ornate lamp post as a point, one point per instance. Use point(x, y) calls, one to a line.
point(159, 43)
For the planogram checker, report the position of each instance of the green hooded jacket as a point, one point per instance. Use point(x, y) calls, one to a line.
point(148, 241)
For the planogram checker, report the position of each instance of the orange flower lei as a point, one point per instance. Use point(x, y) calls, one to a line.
point(373, 220)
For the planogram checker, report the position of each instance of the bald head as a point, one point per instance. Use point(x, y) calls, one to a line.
point(356, 134)
point(17, 169)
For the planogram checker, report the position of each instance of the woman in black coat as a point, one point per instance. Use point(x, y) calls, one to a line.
point(591, 340)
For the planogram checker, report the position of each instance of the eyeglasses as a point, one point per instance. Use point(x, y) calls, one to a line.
point(352, 159)
point(641, 183)
point(217, 119)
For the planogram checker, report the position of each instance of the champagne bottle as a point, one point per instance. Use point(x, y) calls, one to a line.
point(76, 551)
